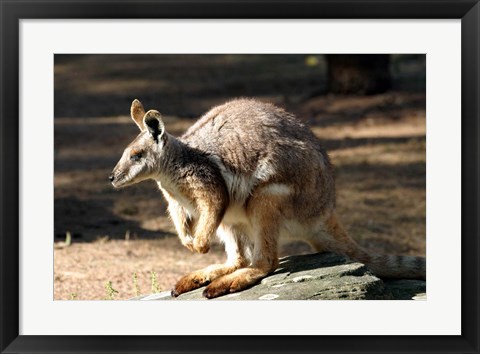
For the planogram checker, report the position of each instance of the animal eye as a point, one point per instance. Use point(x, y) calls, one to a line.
point(136, 156)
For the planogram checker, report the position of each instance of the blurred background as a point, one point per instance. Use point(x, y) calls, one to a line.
point(368, 110)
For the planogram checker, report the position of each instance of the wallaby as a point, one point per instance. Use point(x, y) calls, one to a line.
point(248, 172)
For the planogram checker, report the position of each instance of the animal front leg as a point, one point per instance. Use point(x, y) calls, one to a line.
point(206, 226)
point(182, 222)
point(204, 232)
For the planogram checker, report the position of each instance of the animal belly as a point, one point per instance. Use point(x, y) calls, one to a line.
point(235, 215)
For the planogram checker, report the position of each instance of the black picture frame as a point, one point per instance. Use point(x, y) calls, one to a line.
point(12, 11)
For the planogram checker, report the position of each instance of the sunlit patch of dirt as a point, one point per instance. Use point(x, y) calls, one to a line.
point(82, 269)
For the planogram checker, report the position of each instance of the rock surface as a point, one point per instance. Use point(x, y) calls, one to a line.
point(323, 276)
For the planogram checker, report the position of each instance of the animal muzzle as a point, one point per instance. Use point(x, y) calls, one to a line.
point(116, 178)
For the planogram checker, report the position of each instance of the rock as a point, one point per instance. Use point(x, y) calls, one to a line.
point(407, 289)
point(322, 276)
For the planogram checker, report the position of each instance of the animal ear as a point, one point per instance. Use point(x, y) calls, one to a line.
point(153, 122)
point(137, 112)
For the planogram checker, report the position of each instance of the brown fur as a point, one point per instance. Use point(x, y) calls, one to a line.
point(251, 173)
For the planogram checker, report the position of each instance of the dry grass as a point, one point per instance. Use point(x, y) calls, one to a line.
point(83, 268)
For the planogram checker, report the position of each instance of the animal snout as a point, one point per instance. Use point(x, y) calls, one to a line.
point(111, 177)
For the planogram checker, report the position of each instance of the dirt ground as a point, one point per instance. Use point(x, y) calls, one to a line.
point(377, 144)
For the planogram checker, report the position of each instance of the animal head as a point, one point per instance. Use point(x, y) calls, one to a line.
point(141, 159)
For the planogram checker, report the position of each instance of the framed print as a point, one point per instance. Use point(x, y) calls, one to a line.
point(391, 89)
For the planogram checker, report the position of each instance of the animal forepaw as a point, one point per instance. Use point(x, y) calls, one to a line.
point(201, 246)
point(189, 246)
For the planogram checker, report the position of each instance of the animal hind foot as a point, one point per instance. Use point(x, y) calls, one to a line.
point(201, 277)
point(189, 282)
point(222, 286)
point(240, 280)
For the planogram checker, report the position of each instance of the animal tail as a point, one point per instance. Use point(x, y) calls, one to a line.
point(384, 266)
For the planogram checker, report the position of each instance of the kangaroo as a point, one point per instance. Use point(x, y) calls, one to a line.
point(248, 173)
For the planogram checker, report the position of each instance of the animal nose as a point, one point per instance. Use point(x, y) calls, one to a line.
point(111, 177)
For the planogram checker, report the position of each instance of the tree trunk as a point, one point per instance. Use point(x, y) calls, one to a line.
point(363, 74)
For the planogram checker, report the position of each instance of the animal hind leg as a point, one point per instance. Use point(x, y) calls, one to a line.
point(235, 247)
point(266, 217)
